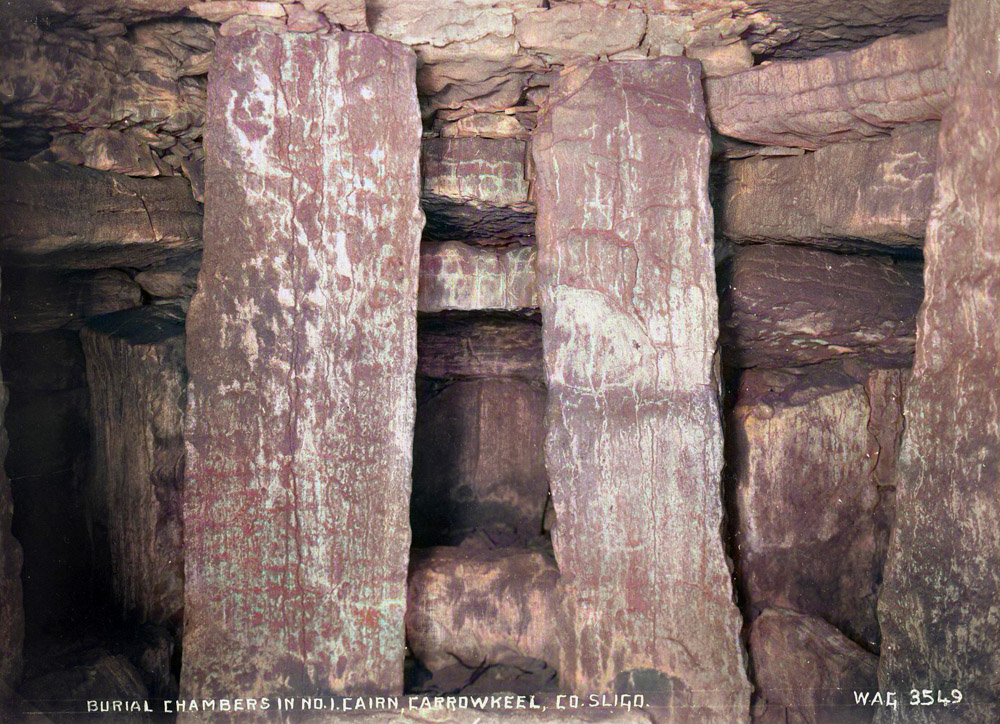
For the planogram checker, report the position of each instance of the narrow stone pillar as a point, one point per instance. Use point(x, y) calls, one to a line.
point(137, 382)
point(11, 606)
point(634, 444)
point(938, 607)
point(301, 351)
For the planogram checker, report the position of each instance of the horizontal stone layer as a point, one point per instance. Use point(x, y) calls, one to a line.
point(476, 190)
point(461, 346)
point(36, 300)
point(836, 97)
point(783, 306)
point(67, 216)
point(454, 275)
point(472, 605)
point(841, 196)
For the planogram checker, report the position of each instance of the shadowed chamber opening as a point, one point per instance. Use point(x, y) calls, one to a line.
point(480, 615)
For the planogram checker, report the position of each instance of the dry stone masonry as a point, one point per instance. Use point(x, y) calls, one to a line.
point(789, 306)
point(302, 354)
point(529, 348)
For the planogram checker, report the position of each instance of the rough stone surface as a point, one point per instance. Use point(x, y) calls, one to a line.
point(39, 300)
point(478, 463)
point(938, 606)
point(634, 446)
point(822, 26)
point(11, 604)
point(70, 82)
point(175, 279)
point(811, 454)
point(784, 306)
point(472, 605)
point(807, 671)
point(137, 381)
point(722, 60)
point(837, 97)
point(577, 30)
point(843, 194)
point(461, 346)
point(476, 190)
point(454, 275)
point(59, 215)
point(301, 351)
point(95, 674)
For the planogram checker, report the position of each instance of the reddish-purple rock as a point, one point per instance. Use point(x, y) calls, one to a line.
point(476, 190)
point(785, 306)
point(301, 350)
point(844, 195)
point(478, 462)
point(472, 605)
point(77, 218)
point(938, 608)
point(460, 276)
point(811, 454)
point(807, 671)
point(836, 97)
point(634, 445)
point(469, 345)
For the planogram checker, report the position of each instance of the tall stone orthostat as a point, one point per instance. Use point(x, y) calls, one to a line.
point(301, 351)
point(940, 628)
point(634, 444)
point(137, 383)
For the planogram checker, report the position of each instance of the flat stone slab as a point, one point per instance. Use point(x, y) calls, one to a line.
point(138, 385)
point(633, 446)
point(53, 214)
point(302, 359)
point(811, 455)
point(455, 346)
point(938, 605)
point(43, 300)
point(455, 275)
point(842, 196)
point(478, 463)
point(476, 190)
point(785, 306)
point(841, 96)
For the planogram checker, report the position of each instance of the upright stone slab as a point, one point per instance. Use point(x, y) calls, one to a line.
point(938, 608)
point(634, 445)
point(302, 355)
point(137, 382)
